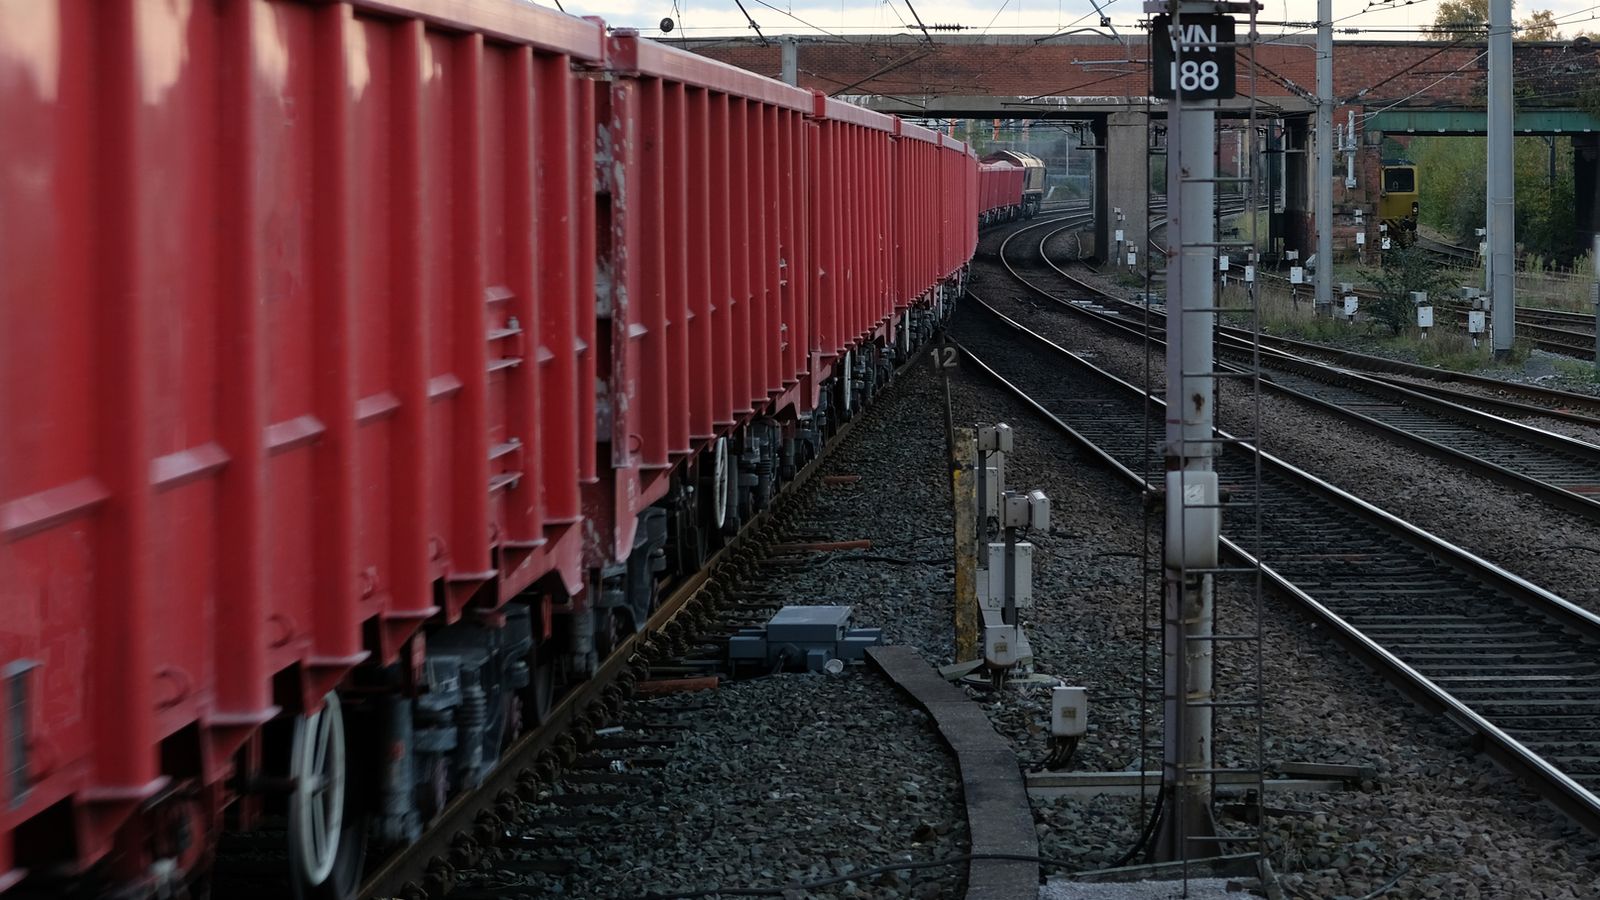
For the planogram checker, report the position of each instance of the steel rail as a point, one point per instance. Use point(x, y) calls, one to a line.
point(1556, 468)
point(456, 836)
point(1567, 406)
point(1544, 327)
point(1553, 403)
point(1404, 665)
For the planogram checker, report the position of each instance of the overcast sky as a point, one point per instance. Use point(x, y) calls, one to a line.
point(703, 18)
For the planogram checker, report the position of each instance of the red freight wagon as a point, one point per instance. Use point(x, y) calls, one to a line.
point(359, 362)
point(999, 191)
point(931, 185)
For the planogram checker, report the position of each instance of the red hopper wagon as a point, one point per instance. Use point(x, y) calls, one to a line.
point(366, 367)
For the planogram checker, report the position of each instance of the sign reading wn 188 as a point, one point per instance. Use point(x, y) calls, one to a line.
point(1204, 70)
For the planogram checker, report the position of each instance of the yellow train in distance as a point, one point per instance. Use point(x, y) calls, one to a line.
point(1398, 204)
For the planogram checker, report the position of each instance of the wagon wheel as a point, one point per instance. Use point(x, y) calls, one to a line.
point(540, 694)
point(326, 842)
point(719, 484)
point(730, 495)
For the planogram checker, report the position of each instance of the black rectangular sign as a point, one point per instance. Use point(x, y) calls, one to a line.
point(1206, 70)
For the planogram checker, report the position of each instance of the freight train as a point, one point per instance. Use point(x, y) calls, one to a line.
point(366, 370)
point(1033, 177)
point(1000, 194)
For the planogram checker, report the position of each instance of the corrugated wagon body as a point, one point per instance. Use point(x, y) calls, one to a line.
point(851, 182)
point(922, 196)
point(362, 362)
point(999, 191)
point(703, 183)
point(291, 353)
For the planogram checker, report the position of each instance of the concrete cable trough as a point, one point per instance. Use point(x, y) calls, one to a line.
point(999, 816)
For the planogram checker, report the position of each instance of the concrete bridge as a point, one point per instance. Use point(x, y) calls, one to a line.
point(1391, 87)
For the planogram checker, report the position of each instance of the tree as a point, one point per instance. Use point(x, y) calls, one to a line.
point(1541, 26)
point(1459, 19)
point(1453, 190)
point(1467, 19)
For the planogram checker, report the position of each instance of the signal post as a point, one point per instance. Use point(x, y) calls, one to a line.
point(1193, 66)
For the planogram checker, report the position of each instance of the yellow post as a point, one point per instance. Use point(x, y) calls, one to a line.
point(963, 485)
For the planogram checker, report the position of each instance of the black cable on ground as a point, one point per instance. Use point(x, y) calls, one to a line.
point(1144, 838)
point(1548, 550)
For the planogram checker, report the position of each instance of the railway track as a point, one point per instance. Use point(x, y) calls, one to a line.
point(1551, 330)
point(1449, 254)
point(1493, 395)
point(1506, 660)
point(462, 834)
point(1507, 398)
point(1558, 469)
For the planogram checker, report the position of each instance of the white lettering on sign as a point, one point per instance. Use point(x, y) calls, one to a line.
point(1197, 57)
point(1196, 75)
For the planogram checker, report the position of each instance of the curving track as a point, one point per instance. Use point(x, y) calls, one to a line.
point(1561, 470)
point(1552, 330)
point(1495, 395)
point(1504, 659)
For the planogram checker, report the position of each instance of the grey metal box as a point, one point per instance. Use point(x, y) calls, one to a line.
point(855, 646)
point(743, 646)
point(808, 624)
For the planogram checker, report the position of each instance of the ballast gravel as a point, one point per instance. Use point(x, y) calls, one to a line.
point(1437, 819)
point(799, 778)
point(769, 782)
point(1550, 546)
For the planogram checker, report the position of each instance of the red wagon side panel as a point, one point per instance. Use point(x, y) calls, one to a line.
point(322, 321)
point(276, 370)
point(696, 283)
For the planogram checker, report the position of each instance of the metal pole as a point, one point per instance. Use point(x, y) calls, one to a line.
point(1594, 295)
point(791, 61)
point(1191, 400)
point(1502, 189)
point(981, 470)
point(1008, 614)
point(965, 459)
point(1239, 162)
point(1324, 187)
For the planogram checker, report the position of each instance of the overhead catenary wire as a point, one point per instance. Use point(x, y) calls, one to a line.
point(817, 28)
point(884, 70)
point(1414, 94)
point(1366, 90)
point(925, 35)
point(995, 17)
point(751, 19)
point(731, 32)
point(1370, 7)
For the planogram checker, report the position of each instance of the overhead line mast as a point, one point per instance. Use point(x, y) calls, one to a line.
point(1502, 189)
point(1323, 275)
point(1194, 66)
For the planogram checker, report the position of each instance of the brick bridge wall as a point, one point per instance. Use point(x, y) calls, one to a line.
point(1367, 75)
point(1375, 72)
